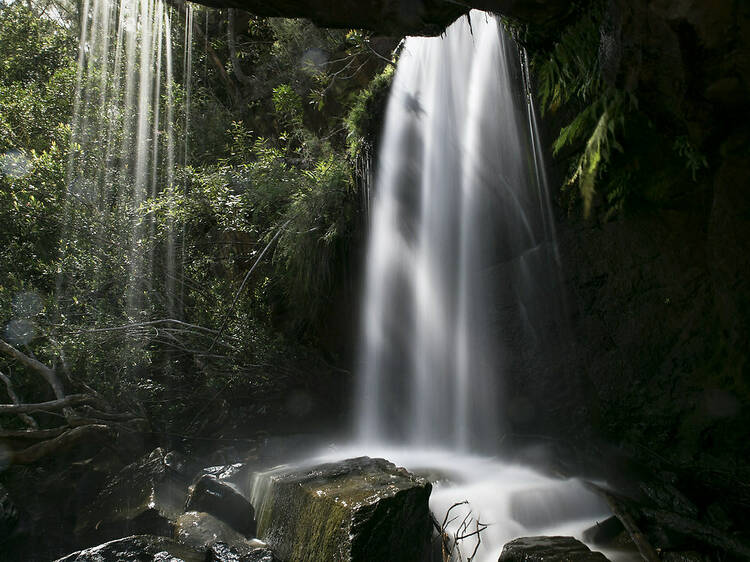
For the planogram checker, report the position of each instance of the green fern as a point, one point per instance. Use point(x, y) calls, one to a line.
point(611, 108)
point(571, 70)
point(569, 74)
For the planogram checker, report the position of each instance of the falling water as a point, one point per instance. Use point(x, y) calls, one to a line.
point(462, 284)
point(123, 130)
point(462, 243)
point(187, 72)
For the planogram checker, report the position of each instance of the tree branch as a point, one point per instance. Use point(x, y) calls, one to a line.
point(27, 419)
point(31, 363)
point(236, 67)
point(33, 433)
point(645, 549)
point(52, 405)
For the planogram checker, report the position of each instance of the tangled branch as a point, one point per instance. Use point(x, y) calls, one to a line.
point(450, 543)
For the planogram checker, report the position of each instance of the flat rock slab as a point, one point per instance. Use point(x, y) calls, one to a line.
point(354, 510)
point(139, 548)
point(549, 549)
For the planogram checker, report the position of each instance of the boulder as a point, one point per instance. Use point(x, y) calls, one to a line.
point(224, 501)
point(549, 549)
point(139, 548)
point(145, 497)
point(201, 530)
point(359, 509)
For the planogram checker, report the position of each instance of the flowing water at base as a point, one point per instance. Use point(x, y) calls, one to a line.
point(511, 499)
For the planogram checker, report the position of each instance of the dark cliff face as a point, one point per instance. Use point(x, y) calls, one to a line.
point(659, 297)
point(394, 17)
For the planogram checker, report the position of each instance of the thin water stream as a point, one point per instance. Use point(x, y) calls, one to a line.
point(123, 131)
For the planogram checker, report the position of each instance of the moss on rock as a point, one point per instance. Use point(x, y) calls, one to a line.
point(357, 509)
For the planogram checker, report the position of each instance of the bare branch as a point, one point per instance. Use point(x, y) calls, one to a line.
point(27, 419)
point(236, 67)
point(463, 532)
point(389, 61)
point(144, 324)
point(244, 281)
point(33, 433)
point(52, 405)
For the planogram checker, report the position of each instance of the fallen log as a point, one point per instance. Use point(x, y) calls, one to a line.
point(27, 419)
point(61, 443)
point(646, 550)
point(699, 530)
point(29, 362)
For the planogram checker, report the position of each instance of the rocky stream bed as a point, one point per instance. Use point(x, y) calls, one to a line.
point(166, 507)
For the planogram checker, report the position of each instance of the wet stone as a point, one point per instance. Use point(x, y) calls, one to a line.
point(224, 501)
point(201, 530)
point(140, 548)
point(549, 549)
point(609, 533)
point(222, 552)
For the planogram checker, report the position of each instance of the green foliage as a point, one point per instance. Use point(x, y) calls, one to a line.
point(694, 160)
point(365, 114)
point(111, 273)
point(33, 47)
point(612, 147)
point(569, 75)
point(599, 124)
point(314, 244)
point(570, 71)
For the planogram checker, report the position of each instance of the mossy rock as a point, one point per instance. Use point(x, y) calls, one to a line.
point(354, 510)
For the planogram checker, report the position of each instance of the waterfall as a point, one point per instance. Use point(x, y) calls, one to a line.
point(462, 286)
point(461, 264)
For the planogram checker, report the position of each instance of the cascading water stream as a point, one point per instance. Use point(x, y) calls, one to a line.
point(462, 275)
point(461, 242)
